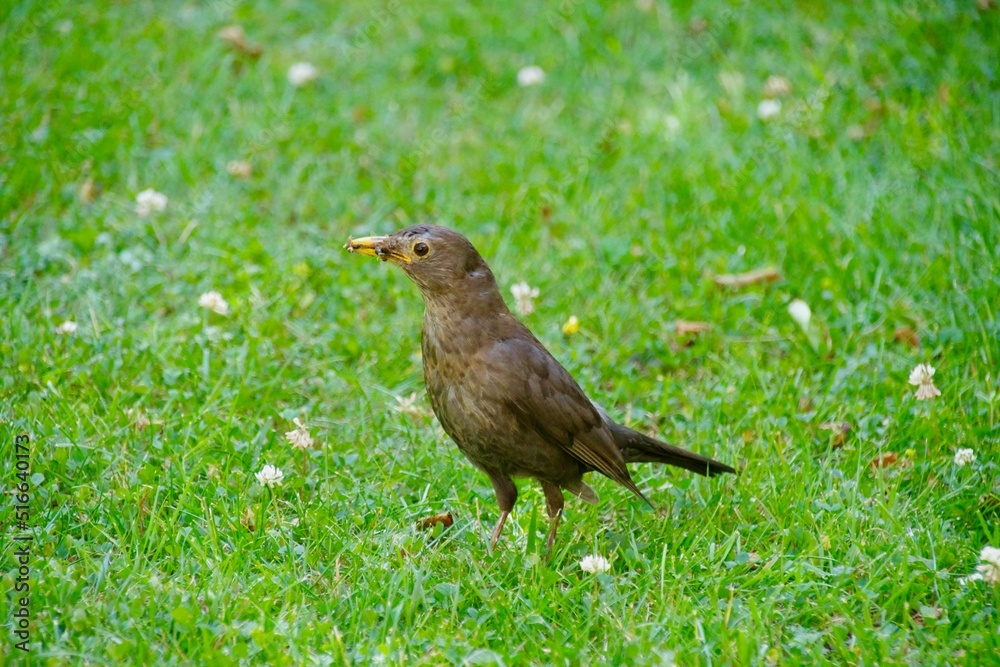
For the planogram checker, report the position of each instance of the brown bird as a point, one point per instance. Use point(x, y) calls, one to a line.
point(511, 408)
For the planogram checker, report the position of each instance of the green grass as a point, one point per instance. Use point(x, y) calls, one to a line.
point(637, 169)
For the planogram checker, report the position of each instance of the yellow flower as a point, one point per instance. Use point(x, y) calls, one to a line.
point(572, 326)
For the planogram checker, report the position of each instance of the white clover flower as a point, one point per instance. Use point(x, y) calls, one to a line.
point(768, 109)
point(532, 75)
point(66, 328)
point(233, 34)
point(989, 568)
point(524, 295)
point(150, 201)
point(964, 457)
point(300, 437)
point(270, 476)
point(855, 132)
point(300, 74)
point(408, 405)
point(777, 86)
point(595, 564)
point(800, 312)
point(922, 377)
point(239, 168)
point(214, 302)
point(921, 374)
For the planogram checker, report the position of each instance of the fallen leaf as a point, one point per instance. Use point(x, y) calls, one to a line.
point(445, 519)
point(805, 404)
point(840, 431)
point(874, 105)
point(697, 25)
point(360, 114)
point(684, 327)
point(944, 93)
point(884, 460)
point(236, 38)
point(239, 169)
point(907, 336)
point(87, 192)
point(248, 519)
point(768, 274)
point(924, 612)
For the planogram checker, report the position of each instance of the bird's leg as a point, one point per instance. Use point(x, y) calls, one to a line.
point(552, 533)
point(506, 493)
point(499, 527)
point(554, 504)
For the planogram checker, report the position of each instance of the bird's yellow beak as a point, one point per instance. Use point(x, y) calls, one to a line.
point(376, 246)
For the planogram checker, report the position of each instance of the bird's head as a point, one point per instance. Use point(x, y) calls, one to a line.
point(442, 262)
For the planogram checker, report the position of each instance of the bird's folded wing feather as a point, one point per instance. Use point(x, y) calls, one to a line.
point(545, 398)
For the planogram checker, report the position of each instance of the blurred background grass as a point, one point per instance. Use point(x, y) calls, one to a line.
point(639, 167)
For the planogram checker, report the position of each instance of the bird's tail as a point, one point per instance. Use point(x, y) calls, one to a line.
point(639, 448)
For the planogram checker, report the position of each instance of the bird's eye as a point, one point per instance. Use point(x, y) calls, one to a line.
point(420, 249)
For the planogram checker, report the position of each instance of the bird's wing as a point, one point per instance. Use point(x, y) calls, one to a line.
point(546, 398)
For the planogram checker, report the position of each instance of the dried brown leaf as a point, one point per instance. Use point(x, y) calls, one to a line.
point(445, 519)
point(768, 274)
point(248, 519)
point(906, 336)
point(360, 114)
point(236, 38)
point(839, 431)
point(684, 327)
point(697, 25)
point(884, 460)
point(87, 191)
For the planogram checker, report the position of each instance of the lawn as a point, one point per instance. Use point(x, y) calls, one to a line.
point(854, 148)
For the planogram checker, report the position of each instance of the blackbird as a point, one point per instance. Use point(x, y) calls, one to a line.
point(511, 408)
